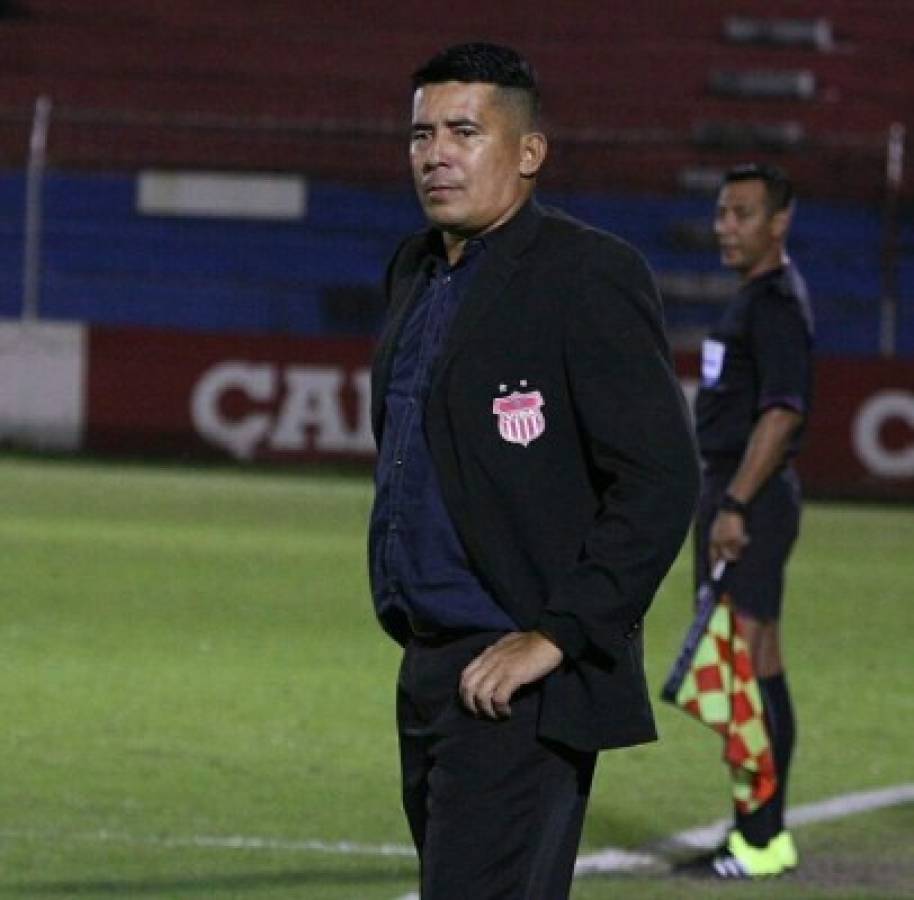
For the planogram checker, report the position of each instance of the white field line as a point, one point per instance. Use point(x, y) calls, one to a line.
point(707, 837)
point(226, 842)
point(611, 859)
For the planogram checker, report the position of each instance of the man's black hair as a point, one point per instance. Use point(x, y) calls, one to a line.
point(778, 187)
point(488, 64)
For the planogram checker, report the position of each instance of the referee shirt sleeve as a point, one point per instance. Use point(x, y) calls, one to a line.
point(780, 348)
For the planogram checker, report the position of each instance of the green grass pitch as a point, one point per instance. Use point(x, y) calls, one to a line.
point(189, 655)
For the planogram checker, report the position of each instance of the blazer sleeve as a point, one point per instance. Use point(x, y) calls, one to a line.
point(401, 272)
point(637, 434)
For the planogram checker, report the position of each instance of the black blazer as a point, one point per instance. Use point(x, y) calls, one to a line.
point(572, 531)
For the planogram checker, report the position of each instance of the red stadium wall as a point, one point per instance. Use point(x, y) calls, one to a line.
point(265, 399)
point(280, 399)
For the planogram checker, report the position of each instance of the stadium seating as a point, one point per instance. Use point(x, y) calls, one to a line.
point(322, 90)
point(178, 71)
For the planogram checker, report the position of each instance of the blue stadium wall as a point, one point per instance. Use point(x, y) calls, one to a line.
point(106, 263)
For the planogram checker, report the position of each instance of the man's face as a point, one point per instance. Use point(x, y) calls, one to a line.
point(467, 153)
point(750, 237)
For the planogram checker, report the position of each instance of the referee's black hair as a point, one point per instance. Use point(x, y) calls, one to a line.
point(778, 187)
point(487, 63)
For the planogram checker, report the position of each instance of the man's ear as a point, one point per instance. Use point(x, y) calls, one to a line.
point(780, 223)
point(533, 153)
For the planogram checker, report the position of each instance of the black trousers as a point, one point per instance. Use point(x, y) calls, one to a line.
point(494, 811)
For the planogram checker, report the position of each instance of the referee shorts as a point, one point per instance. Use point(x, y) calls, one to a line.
point(756, 581)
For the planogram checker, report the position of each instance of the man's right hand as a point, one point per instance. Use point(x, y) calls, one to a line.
point(490, 680)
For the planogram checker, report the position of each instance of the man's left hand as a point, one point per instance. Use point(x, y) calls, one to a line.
point(728, 538)
point(521, 657)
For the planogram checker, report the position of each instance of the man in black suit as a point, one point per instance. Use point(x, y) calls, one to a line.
point(535, 479)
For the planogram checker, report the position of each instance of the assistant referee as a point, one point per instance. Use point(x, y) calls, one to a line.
point(751, 410)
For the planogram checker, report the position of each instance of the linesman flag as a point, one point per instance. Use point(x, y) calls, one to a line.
point(712, 680)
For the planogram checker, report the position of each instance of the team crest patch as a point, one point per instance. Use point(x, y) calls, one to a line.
point(520, 416)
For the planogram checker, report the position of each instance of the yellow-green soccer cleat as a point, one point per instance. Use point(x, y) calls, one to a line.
point(785, 849)
point(739, 859)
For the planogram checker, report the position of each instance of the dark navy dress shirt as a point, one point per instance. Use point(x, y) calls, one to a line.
point(420, 573)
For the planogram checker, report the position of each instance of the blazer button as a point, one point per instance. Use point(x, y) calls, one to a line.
point(633, 629)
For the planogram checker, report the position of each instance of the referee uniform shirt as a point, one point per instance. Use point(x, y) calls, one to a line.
point(758, 357)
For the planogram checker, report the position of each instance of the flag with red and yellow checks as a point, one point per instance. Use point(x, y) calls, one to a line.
point(713, 681)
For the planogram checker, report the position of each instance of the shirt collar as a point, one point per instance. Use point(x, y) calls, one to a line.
point(508, 235)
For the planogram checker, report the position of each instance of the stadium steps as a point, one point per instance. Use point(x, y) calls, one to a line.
point(286, 62)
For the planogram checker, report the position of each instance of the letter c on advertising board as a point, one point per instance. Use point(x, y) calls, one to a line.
point(239, 437)
point(879, 409)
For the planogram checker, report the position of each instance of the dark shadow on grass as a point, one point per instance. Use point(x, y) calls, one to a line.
point(208, 884)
